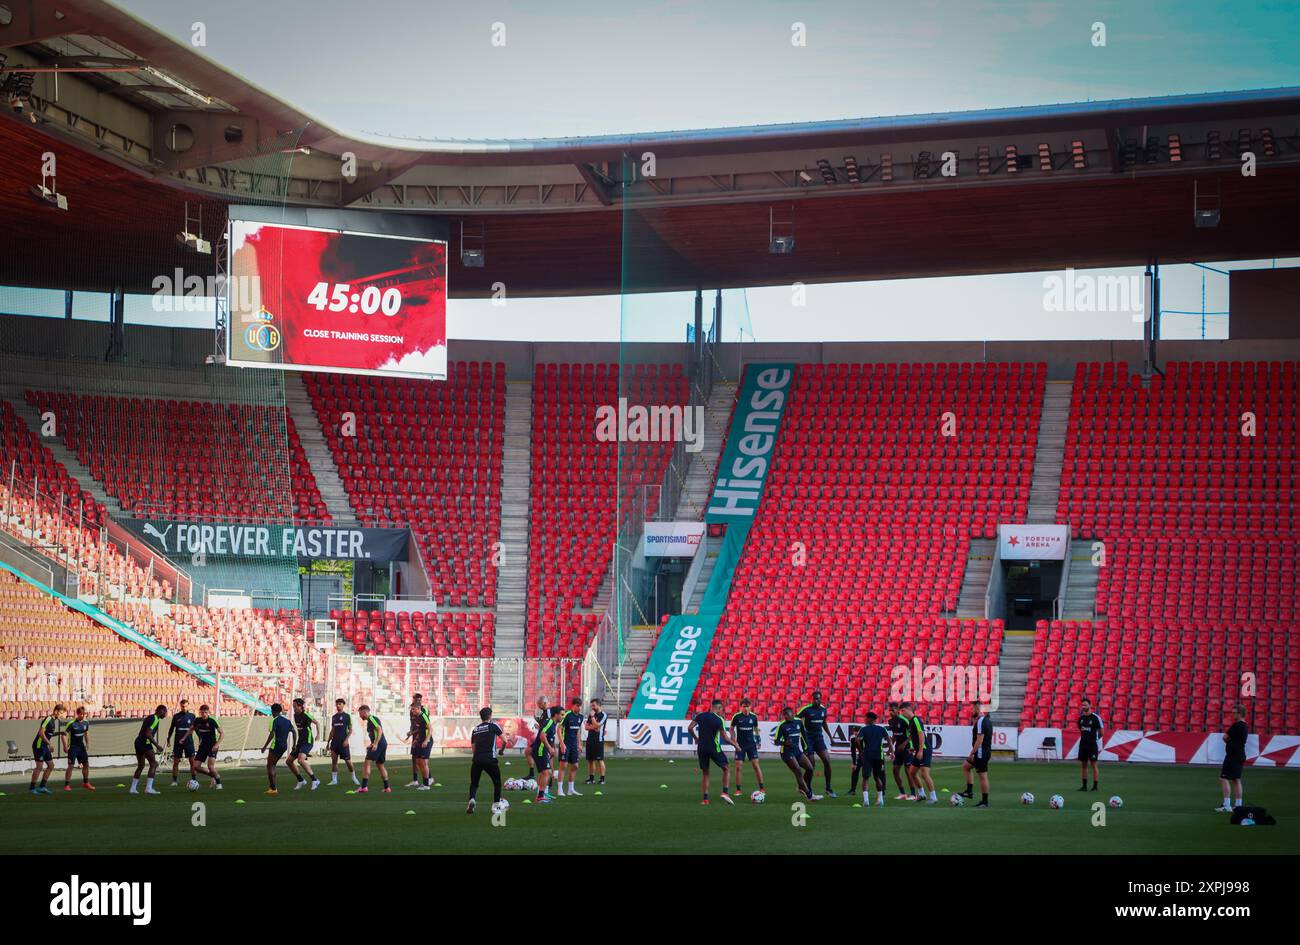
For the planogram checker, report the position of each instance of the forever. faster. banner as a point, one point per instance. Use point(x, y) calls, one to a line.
point(271, 542)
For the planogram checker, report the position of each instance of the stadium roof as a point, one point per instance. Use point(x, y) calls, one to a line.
point(153, 124)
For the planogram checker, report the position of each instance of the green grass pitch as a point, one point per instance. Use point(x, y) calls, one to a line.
point(652, 806)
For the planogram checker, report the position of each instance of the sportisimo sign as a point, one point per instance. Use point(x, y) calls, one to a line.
point(674, 668)
point(672, 539)
point(187, 539)
point(750, 443)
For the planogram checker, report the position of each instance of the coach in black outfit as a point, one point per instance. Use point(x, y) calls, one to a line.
point(484, 738)
point(1234, 760)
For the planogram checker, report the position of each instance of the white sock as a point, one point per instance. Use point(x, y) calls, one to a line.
point(135, 783)
point(1227, 802)
point(1237, 802)
point(148, 785)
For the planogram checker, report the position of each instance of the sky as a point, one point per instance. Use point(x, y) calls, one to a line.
point(416, 69)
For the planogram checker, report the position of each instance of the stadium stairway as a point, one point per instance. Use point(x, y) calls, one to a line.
point(32, 417)
point(1045, 490)
point(1081, 590)
point(641, 640)
point(305, 419)
point(1013, 674)
point(704, 464)
point(512, 579)
point(975, 579)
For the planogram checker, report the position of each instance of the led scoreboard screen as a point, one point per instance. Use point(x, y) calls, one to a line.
point(311, 299)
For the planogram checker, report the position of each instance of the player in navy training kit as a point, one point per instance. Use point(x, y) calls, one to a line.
point(790, 736)
point(208, 729)
point(571, 723)
point(180, 734)
point(340, 733)
point(709, 732)
point(376, 751)
point(1090, 739)
point(871, 741)
point(922, 754)
point(77, 732)
point(745, 735)
point(981, 751)
point(899, 735)
point(595, 728)
point(421, 735)
point(539, 717)
point(278, 734)
point(147, 747)
point(816, 732)
point(305, 729)
point(41, 751)
point(544, 749)
point(484, 741)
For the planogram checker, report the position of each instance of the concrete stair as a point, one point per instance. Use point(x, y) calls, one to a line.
point(704, 464)
point(640, 642)
point(1045, 491)
point(305, 419)
point(692, 606)
point(1013, 674)
point(516, 479)
point(975, 580)
point(1081, 592)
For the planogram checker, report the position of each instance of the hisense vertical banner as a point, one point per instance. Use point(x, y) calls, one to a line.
point(326, 300)
point(751, 442)
point(673, 672)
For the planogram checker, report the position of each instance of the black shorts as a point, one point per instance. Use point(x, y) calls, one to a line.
point(342, 750)
point(569, 754)
point(902, 756)
point(712, 755)
point(422, 751)
point(747, 753)
point(1232, 768)
point(595, 750)
point(206, 752)
point(815, 746)
point(42, 752)
point(792, 754)
point(77, 755)
point(541, 761)
point(183, 749)
point(873, 766)
point(143, 749)
point(980, 763)
point(924, 760)
point(378, 754)
point(302, 749)
point(1089, 751)
point(274, 755)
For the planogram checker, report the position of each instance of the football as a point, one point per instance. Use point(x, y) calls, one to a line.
point(758, 797)
point(957, 800)
point(193, 785)
point(1027, 798)
point(1116, 801)
point(1057, 802)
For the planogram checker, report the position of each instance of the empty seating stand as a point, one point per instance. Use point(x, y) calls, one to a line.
point(882, 475)
point(190, 460)
point(451, 634)
point(581, 486)
point(1190, 483)
point(426, 456)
